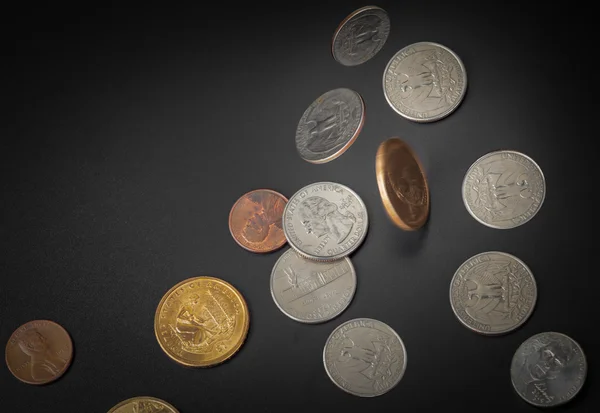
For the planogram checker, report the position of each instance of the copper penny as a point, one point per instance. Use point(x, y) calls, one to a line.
point(402, 184)
point(39, 352)
point(255, 221)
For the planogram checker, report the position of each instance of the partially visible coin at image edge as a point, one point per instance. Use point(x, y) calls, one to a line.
point(143, 404)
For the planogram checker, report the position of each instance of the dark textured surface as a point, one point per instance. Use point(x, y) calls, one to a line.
point(130, 133)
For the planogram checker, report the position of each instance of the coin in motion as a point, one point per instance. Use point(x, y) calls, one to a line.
point(504, 189)
point(360, 36)
point(255, 221)
point(312, 291)
point(201, 322)
point(424, 82)
point(493, 293)
point(39, 352)
point(548, 369)
point(143, 404)
point(330, 125)
point(402, 184)
point(364, 357)
point(325, 221)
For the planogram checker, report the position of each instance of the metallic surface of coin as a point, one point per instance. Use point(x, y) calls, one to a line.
point(255, 221)
point(424, 82)
point(39, 352)
point(325, 221)
point(493, 293)
point(311, 291)
point(143, 405)
point(201, 322)
point(504, 189)
point(548, 369)
point(360, 36)
point(402, 184)
point(330, 125)
point(364, 357)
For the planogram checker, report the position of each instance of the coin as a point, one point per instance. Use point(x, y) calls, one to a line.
point(548, 369)
point(311, 291)
point(402, 184)
point(424, 82)
point(255, 221)
point(493, 293)
point(364, 357)
point(39, 352)
point(201, 322)
point(330, 125)
point(325, 221)
point(504, 189)
point(360, 36)
point(143, 405)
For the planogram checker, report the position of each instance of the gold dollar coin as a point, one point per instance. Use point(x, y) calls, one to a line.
point(143, 405)
point(201, 322)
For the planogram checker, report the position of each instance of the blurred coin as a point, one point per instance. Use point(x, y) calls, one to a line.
point(143, 405)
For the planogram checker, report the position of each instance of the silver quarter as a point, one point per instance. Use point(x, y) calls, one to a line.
point(311, 291)
point(325, 221)
point(360, 36)
point(493, 293)
point(365, 357)
point(424, 82)
point(504, 189)
point(330, 125)
point(548, 369)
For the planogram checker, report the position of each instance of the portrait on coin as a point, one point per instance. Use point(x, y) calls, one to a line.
point(44, 361)
point(321, 217)
point(264, 217)
point(408, 187)
point(545, 359)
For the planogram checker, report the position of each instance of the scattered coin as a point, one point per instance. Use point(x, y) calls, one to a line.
point(548, 369)
point(493, 293)
point(255, 221)
point(402, 184)
point(364, 357)
point(311, 291)
point(201, 322)
point(143, 405)
point(360, 36)
point(330, 125)
point(424, 82)
point(503, 189)
point(39, 352)
point(325, 221)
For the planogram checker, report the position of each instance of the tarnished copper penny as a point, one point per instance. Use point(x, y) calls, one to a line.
point(143, 405)
point(255, 221)
point(39, 352)
point(402, 184)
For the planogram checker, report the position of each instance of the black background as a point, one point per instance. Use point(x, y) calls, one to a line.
point(130, 133)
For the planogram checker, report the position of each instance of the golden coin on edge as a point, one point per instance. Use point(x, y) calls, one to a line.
point(402, 184)
point(143, 405)
point(39, 352)
point(201, 322)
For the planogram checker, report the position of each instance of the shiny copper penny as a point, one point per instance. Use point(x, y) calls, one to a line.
point(402, 184)
point(255, 221)
point(39, 352)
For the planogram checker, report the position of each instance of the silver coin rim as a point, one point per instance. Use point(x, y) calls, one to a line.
point(348, 390)
point(510, 329)
point(319, 321)
point(332, 257)
point(492, 153)
point(442, 115)
point(582, 381)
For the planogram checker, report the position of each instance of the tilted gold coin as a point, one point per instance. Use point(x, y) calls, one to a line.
point(402, 184)
point(143, 405)
point(201, 322)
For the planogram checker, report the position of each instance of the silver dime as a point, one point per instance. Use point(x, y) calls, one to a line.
point(325, 221)
point(548, 369)
point(493, 293)
point(311, 291)
point(504, 189)
point(360, 36)
point(330, 125)
point(364, 357)
point(424, 82)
